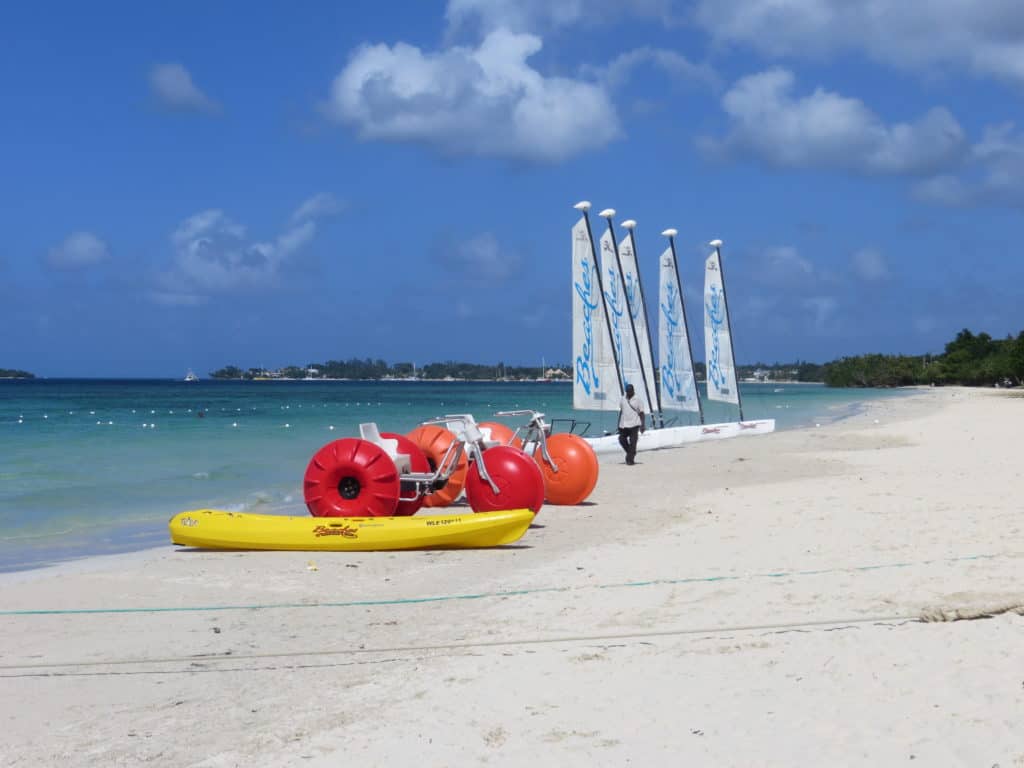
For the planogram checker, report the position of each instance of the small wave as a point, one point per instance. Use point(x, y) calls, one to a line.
point(37, 536)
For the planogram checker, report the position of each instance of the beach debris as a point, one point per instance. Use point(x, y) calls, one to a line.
point(965, 614)
point(311, 566)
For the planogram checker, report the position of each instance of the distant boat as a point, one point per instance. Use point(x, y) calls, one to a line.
point(190, 376)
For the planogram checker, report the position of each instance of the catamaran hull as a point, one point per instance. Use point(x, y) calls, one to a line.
point(673, 437)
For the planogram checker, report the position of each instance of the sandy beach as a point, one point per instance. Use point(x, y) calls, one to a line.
point(746, 602)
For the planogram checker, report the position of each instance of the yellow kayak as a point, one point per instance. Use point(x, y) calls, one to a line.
point(211, 529)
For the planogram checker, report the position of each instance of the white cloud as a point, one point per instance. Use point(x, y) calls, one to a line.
point(485, 16)
point(171, 299)
point(514, 15)
point(870, 265)
point(319, 206)
point(479, 258)
point(993, 173)
point(828, 130)
point(821, 309)
point(785, 259)
point(79, 249)
point(484, 101)
point(985, 37)
point(173, 87)
point(213, 255)
point(676, 66)
point(944, 189)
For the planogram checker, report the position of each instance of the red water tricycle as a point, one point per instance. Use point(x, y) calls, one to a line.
point(386, 473)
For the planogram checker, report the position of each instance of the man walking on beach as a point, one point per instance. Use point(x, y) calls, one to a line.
point(631, 422)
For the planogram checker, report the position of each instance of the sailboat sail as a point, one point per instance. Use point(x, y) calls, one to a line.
point(678, 388)
point(618, 317)
point(645, 384)
point(595, 383)
point(721, 367)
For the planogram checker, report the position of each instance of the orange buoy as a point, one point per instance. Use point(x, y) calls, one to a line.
point(434, 440)
point(417, 463)
point(577, 469)
point(351, 478)
point(519, 481)
point(501, 434)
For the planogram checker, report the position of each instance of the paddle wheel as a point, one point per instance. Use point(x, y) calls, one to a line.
point(351, 478)
point(388, 474)
point(567, 462)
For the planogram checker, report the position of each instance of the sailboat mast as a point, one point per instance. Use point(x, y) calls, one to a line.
point(583, 206)
point(670, 234)
point(607, 215)
point(717, 245)
point(631, 225)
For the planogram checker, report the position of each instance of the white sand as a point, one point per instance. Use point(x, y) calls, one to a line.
point(747, 602)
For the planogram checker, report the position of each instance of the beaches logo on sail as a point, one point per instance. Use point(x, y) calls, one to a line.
point(671, 383)
point(586, 373)
point(715, 309)
point(629, 277)
point(614, 303)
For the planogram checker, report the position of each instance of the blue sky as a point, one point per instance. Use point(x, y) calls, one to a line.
point(191, 185)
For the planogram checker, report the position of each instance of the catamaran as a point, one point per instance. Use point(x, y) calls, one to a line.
point(612, 345)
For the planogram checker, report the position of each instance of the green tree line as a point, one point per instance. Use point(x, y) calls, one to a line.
point(11, 373)
point(367, 368)
point(379, 369)
point(971, 360)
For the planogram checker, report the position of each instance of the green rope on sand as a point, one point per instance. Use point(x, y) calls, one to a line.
point(479, 595)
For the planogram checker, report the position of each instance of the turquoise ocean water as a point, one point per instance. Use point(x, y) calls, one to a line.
point(95, 467)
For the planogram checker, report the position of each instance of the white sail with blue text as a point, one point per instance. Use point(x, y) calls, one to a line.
point(602, 332)
point(721, 367)
point(646, 384)
point(678, 386)
point(620, 327)
point(595, 378)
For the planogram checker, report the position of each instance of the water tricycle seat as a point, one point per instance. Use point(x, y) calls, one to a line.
point(371, 434)
point(468, 431)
